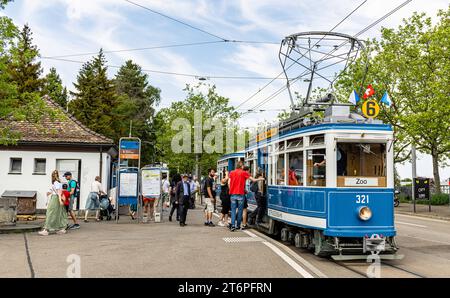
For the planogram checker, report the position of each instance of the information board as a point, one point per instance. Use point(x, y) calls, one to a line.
point(151, 182)
point(128, 185)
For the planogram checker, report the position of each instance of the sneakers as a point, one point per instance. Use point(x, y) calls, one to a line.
point(43, 233)
point(61, 232)
point(206, 224)
point(220, 224)
point(74, 227)
point(244, 227)
point(211, 224)
point(232, 229)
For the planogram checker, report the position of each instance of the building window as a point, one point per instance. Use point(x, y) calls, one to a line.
point(40, 165)
point(15, 166)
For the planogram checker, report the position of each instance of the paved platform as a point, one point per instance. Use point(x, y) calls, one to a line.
point(128, 249)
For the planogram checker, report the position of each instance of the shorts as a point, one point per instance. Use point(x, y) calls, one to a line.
point(209, 205)
point(149, 200)
point(71, 203)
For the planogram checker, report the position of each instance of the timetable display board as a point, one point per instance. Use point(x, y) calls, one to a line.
point(151, 182)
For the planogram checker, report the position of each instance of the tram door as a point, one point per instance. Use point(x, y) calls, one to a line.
point(263, 160)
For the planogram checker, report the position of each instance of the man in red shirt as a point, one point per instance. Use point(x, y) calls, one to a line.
point(236, 185)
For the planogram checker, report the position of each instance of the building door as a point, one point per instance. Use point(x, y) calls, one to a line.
point(73, 166)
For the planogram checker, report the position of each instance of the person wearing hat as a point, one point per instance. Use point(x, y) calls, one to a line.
point(183, 196)
point(71, 188)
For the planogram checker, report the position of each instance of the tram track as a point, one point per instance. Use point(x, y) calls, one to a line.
point(364, 273)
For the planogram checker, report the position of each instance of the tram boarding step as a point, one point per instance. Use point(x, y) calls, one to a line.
point(264, 225)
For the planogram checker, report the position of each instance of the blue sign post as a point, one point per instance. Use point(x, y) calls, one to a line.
point(128, 176)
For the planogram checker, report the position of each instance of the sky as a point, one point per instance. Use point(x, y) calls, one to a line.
point(66, 27)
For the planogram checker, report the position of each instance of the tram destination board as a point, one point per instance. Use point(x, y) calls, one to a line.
point(422, 188)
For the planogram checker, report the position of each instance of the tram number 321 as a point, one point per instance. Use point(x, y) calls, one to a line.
point(362, 199)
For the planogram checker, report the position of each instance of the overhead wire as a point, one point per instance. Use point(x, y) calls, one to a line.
point(281, 73)
point(276, 93)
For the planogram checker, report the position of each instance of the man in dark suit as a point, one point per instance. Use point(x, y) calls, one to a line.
point(183, 198)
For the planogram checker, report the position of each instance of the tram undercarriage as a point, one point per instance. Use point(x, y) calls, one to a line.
point(338, 248)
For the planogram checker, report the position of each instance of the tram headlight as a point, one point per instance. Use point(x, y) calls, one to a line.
point(365, 213)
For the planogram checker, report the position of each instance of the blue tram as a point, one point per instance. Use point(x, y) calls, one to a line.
point(330, 184)
point(227, 162)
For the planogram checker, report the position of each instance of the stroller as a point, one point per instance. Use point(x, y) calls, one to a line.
point(106, 209)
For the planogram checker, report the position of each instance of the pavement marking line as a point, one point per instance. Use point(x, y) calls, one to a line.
point(422, 218)
point(250, 234)
point(292, 253)
point(241, 239)
point(288, 260)
point(410, 224)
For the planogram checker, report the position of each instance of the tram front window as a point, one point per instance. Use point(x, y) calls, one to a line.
point(365, 162)
point(316, 168)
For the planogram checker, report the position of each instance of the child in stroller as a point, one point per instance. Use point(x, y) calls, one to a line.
point(106, 209)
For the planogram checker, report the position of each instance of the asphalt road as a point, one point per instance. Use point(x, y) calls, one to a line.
point(167, 250)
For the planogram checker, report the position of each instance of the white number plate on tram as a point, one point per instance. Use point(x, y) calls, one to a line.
point(361, 181)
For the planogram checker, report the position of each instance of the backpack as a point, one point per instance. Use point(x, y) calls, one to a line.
point(76, 193)
point(203, 186)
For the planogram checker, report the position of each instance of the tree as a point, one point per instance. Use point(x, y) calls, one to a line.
point(23, 70)
point(411, 63)
point(3, 3)
point(137, 102)
point(15, 105)
point(193, 113)
point(53, 87)
point(95, 98)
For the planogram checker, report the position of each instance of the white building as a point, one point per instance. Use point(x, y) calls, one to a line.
point(63, 144)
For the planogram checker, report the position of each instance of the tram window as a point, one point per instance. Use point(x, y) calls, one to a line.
point(251, 165)
point(295, 168)
point(317, 140)
point(281, 172)
point(270, 169)
point(316, 167)
point(295, 143)
point(279, 147)
point(361, 160)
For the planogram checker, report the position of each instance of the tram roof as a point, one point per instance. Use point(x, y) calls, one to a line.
point(323, 127)
point(232, 155)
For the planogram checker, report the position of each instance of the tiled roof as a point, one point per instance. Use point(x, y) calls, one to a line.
point(65, 130)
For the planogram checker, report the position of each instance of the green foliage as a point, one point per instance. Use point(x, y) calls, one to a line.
point(137, 102)
point(436, 200)
point(54, 88)
point(95, 98)
point(18, 101)
point(213, 106)
point(411, 63)
point(3, 3)
point(22, 69)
